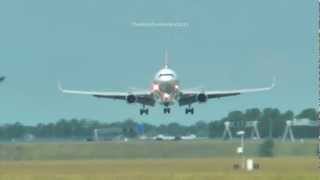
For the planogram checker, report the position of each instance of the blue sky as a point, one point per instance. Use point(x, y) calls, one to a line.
point(92, 45)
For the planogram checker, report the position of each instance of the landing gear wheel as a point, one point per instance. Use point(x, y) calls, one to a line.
point(189, 110)
point(166, 110)
point(144, 111)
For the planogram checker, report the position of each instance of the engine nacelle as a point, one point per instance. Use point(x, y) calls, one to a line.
point(131, 99)
point(202, 97)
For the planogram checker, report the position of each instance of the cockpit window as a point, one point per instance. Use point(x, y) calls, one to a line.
point(166, 75)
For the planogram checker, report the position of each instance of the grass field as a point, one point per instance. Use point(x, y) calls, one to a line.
point(150, 160)
point(159, 169)
point(146, 149)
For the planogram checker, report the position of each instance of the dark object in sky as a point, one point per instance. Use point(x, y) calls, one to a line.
point(2, 78)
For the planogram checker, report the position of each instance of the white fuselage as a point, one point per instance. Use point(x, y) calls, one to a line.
point(165, 87)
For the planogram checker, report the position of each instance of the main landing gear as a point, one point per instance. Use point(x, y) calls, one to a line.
point(166, 110)
point(144, 110)
point(189, 110)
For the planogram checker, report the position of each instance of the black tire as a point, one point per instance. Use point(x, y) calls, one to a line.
point(166, 110)
point(144, 111)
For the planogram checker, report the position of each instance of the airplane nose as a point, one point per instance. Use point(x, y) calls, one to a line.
point(166, 97)
point(166, 78)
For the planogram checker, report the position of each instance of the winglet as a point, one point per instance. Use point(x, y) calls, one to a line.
point(60, 87)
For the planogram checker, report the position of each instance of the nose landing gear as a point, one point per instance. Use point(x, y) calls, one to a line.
point(166, 110)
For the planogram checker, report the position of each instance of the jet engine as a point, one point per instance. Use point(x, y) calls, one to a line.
point(202, 97)
point(131, 99)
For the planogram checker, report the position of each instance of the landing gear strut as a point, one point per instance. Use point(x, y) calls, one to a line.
point(166, 110)
point(144, 110)
point(189, 110)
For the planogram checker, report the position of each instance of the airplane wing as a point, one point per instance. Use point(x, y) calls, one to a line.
point(189, 97)
point(142, 97)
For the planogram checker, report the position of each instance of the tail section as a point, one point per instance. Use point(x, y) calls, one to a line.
point(166, 60)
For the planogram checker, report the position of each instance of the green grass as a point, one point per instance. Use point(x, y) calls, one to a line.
point(150, 160)
point(159, 169)
point(145, 149)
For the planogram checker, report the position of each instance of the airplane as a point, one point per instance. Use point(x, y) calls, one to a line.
point(161, 137)
point(165, 89)
point(189, 137)
point(2, 78)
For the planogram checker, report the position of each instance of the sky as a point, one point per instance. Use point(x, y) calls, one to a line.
point(95, 45)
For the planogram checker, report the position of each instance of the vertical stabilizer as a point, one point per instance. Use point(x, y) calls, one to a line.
point(166, 60)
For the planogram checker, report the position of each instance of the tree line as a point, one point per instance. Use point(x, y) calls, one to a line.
point(271, 123)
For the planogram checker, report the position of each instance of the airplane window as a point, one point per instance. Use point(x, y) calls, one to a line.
point(166, 75)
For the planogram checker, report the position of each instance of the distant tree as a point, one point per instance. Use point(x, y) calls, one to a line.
point(304, 131)
point(149, 129)
point(288, 115)
point(16, 130)
point(215, 129)
point(162, 129)
point(309, 113)
point(237, 119)
point(129, 128)
point(252, 114)
point(276, 122)
point(200, 129)
point(63, 128)
point(271, 121)
point(175, 129)
point(266, 148)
